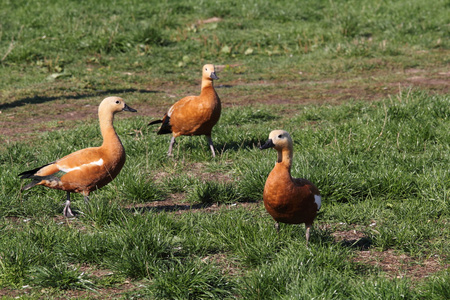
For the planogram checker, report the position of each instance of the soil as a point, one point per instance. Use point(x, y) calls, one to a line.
point(392, 263)
point(25, 117)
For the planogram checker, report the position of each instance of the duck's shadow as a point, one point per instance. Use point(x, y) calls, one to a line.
point(363, 243)
point(38, 99)
point(192, 143)
point(167, 208)
point(235, 146)
point(357, 243)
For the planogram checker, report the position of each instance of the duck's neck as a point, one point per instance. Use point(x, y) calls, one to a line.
point(207, 84)
point(285, 158)
point(110, 137)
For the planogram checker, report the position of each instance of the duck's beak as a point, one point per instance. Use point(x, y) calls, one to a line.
point(127, 108)
point(213, 76)
point(268, 144)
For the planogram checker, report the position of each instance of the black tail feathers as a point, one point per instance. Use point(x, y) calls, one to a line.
point(31, 184)
point(165, 127)
point(37, 179)
point(155, 122)
point(30, 173)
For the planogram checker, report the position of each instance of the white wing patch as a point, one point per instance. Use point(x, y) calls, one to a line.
point(169, 113)
point(98, 162)
point(318, 201)
point(67, 170)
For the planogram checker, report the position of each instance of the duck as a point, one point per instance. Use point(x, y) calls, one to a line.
point(194, 115)
point(88, 169)
point(287, 199)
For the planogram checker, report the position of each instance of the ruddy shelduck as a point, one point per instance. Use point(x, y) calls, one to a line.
point(194, 115)
point(88, 169)
point(289, 200)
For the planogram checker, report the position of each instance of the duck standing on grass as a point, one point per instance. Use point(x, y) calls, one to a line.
point(88, 169)
point(194, 115)
point(289, 200)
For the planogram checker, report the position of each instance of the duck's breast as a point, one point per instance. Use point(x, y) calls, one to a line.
point(287, 201)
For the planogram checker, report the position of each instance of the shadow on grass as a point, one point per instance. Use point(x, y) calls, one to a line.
point(363, 243)
point(187, 143)
point(168, 208)
point(235, 146)
point(325, 235)
point(172, 207)
point(223, 86)
point(38, 99)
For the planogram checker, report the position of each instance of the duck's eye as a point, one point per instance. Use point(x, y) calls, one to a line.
point(280, 136)
point(117, 102)
point(206, 69)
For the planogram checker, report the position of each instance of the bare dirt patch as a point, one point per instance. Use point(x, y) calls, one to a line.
point(195, 170)
point(10, 293)
point(103, 293)
point(229, 267)
point(24, 117)
point(392, 263)
point(401, 265)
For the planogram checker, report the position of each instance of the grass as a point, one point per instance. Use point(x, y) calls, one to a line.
point(120, 41)
point(361, 86)
point(382, 173)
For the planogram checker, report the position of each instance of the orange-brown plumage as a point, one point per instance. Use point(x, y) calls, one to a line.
point(88, 169)
point(194, 115)
point(286, 199)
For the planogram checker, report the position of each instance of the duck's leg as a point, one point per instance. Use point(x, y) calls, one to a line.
point(277, 227)
point(308, 228)
point(172, 141)
point(67, 211)
point(211, 146)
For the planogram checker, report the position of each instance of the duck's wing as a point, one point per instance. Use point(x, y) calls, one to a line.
point(52, 173)
point(179, 109)
point(315, 193)
point(30, 173)
point(183, 106)
point(77, 161)
point(188, 114)
point(302, 182)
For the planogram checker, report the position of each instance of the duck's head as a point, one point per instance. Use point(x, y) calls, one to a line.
point(278, 139)
point(209, 72)
point(114, 105)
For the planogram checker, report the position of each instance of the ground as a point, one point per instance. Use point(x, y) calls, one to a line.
point(68, 108)
point(393, 264)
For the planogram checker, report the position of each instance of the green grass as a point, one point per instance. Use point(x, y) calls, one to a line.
point(310, 67)
point(82, 40)
point(377, 171)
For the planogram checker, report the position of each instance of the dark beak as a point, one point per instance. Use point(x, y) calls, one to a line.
point(213, 76)
point(127, 108)
point(268, 144)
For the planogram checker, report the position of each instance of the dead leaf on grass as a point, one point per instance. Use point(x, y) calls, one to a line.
point(210, 20)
